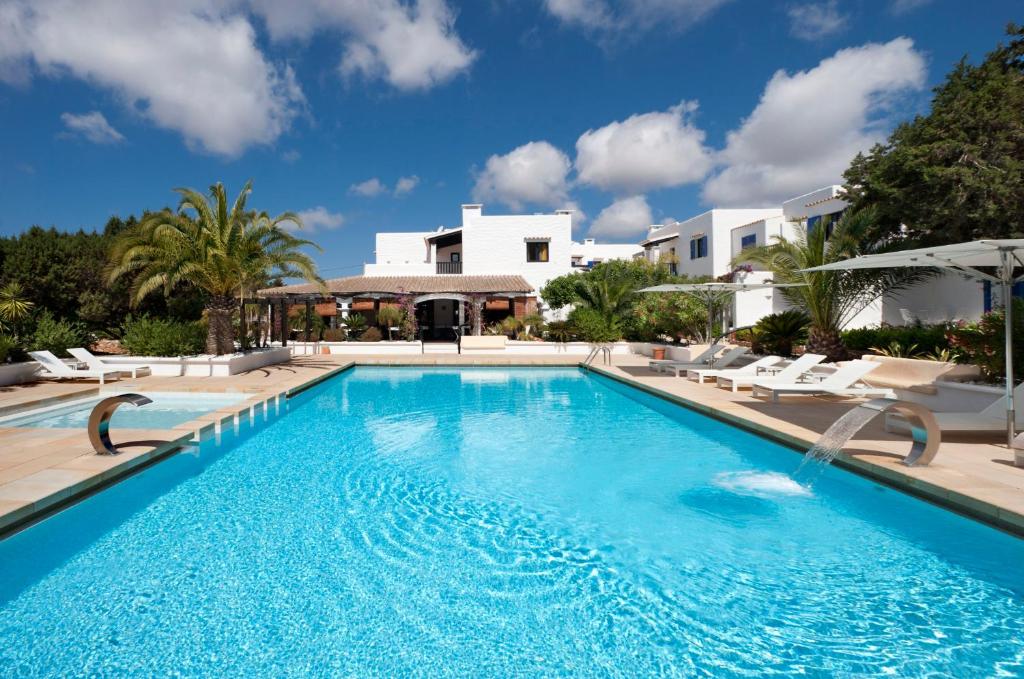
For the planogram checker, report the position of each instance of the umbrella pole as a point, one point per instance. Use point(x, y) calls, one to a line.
point(1011, 415)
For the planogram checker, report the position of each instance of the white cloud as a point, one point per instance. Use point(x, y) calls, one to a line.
point(606, 20)
point(370, 188)
point(645, 151)
point(816, 20)
point(291, 156)
point(625, 217)
point(411, 45)
point(186, 69)
point(405, 185)
point(809, 125)
point(320, 218)
point(904, 6)
point(93, 126)
point(535, 174)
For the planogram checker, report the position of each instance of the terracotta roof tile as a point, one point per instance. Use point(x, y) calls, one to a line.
point(354, 285)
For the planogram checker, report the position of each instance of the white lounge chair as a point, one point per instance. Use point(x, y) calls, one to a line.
point(703, 358)
point(991, 420)
point(840, 383)
point(788, 374)
point(96, 363)
point(699, 374)
point(725, 359)
point(56, 368)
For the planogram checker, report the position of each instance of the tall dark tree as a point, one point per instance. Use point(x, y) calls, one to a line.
point(957, 173)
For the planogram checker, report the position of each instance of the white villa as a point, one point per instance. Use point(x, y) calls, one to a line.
point(706, 245)
point(489, 266)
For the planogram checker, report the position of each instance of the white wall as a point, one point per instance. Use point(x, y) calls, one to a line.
point(717, 225)
point(823, 201)
point(949, 296)
point(497, 245)
point(591, 251)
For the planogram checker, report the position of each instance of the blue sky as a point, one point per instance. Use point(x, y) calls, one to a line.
point(370, 115)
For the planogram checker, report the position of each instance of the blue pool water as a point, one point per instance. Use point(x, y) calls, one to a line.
point(489, 522)
point(168, 409)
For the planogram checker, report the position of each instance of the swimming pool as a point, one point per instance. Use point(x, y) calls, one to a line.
point(168, 409)
point(403, 521)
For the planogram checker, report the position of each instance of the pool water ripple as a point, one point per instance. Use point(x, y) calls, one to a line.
point(505, 522)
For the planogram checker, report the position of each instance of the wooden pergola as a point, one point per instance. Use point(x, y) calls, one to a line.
point(470, 290)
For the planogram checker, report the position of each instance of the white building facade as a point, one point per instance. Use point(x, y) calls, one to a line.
point(536, 247)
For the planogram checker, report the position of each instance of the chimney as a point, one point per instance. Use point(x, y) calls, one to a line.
point(471, 210)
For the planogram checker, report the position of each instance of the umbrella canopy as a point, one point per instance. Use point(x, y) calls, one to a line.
point(970, 258)
point(714, 292)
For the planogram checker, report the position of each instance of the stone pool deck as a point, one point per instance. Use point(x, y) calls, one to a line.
point(43, 469)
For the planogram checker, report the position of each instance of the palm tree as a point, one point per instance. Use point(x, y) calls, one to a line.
point(13, 305)
point(226, 251)
point(610, 297)
point(389, 317)
point(830, 298)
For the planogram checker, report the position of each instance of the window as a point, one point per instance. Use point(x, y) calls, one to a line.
point(748, 241)
point(673, 263)
point(699, 247)
point(537, 251)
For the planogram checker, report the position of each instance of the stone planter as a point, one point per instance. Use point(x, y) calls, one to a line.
point(18, 373)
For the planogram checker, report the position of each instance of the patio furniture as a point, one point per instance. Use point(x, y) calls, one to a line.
point(58, 369)
point(725, 359)
point(788, 374)
point(991, 420)
point(96, 363)
point(842, 382)
point(754, 368)
point(702, 359)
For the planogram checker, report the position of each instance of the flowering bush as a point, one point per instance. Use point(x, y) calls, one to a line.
point(983, 343)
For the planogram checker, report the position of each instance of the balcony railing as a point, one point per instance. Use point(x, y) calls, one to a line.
point(449, 267)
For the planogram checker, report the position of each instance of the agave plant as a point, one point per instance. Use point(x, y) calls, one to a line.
point(896, 350)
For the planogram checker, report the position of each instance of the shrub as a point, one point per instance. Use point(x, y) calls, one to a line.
point(335, 335)
point(57, 336)
point(7, 346)
point(927, 338)
point(592, 326)
point(161, 337)
point(371, 335)
point(982, 343)
point(777, 333)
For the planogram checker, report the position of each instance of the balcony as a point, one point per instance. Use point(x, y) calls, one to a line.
point(449, 267)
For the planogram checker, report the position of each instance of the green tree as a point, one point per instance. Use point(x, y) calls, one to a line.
point(604, 300)
point(957, 173)
point(217, 247)
point(830, 298)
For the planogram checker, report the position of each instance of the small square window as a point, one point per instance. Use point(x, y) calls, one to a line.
point(537, 251)
point(748, 241)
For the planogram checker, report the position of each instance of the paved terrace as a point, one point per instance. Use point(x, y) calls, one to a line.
point(41, 469)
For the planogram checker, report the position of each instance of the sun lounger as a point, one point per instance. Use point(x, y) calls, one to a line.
point(96, 363)
point(840, 383)
point(725, 359)
point(56, 368)
point(991, 420)
point(699, 374)
point(787, 375)
point(703, 358)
